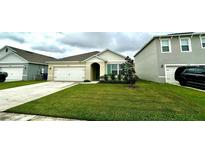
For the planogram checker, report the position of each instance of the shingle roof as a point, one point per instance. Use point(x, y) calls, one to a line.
point(80, 57)
point(31, 56)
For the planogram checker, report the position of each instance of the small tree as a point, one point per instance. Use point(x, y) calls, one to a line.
point(119, 77)
point(106, 77)
point(113, 77)
point(128, 72)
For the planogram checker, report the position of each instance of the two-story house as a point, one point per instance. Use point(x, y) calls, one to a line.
point(159, 58)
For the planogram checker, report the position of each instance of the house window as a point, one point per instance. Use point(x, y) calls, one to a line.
point(185, 44)
point(113, 69)
point(120, 68)
point(203, 42)
point(165, 45)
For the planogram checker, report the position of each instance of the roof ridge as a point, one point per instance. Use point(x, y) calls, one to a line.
point(15, 48)
point(81, 54)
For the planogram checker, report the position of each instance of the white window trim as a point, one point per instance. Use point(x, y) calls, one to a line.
point(170, 47)
point(118, 68)
point(189, 41)
point(201, 37)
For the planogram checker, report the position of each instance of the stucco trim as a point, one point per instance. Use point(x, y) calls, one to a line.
point(62, 62)
point(93, 57)
point(12, 65)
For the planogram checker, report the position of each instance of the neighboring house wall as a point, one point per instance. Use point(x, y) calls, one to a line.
point(150, 62)
point(31, 71)
point(34, 71)
point(24, 65)
point(146, 63)
point(196, 56)
point(8, 59)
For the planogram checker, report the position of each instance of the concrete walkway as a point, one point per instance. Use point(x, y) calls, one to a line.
point(16, 96)
point(25, 117)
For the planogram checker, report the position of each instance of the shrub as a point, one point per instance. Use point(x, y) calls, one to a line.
point(86, 80)
point(101, 77)
point(3, 76)
point(113, 77)
point(119, 77)
point(106, 77)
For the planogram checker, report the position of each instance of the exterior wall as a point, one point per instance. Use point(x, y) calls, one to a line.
point(9, 59)
point(3, 52)
point(30, 72)
point(12, 58)
point(146, 63)
point(111, 57)
point(52, 65)
point(34, 71)
point(197, 56)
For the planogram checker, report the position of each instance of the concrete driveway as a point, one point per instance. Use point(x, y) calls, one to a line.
point(16, 96)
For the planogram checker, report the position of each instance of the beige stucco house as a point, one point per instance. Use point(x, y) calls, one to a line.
point(88, 66)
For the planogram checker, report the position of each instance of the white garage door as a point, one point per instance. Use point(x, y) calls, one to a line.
point(69, 74)
point(14, 73)
point(170, 73)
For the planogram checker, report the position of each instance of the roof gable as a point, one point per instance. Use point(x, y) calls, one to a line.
point(109, 55)
point(12, 58)
point(31, 56)
point(80, 57)
point(115, 53)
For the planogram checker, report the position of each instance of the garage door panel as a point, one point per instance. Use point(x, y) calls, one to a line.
point(14, 73)
point(69, 74)
point(170, 74)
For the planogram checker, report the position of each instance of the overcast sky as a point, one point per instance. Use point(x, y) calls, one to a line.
point(62, 44)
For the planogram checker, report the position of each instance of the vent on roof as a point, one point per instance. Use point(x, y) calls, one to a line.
point(6, 49)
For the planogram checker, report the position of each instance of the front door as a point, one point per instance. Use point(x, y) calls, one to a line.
point(95, 71)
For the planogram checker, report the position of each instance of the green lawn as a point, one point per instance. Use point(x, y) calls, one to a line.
point(148, 101)
point(6, 85)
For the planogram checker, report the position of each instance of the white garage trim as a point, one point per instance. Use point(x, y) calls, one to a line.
point(11, 66)
point(175, 65)
point(74, 73)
